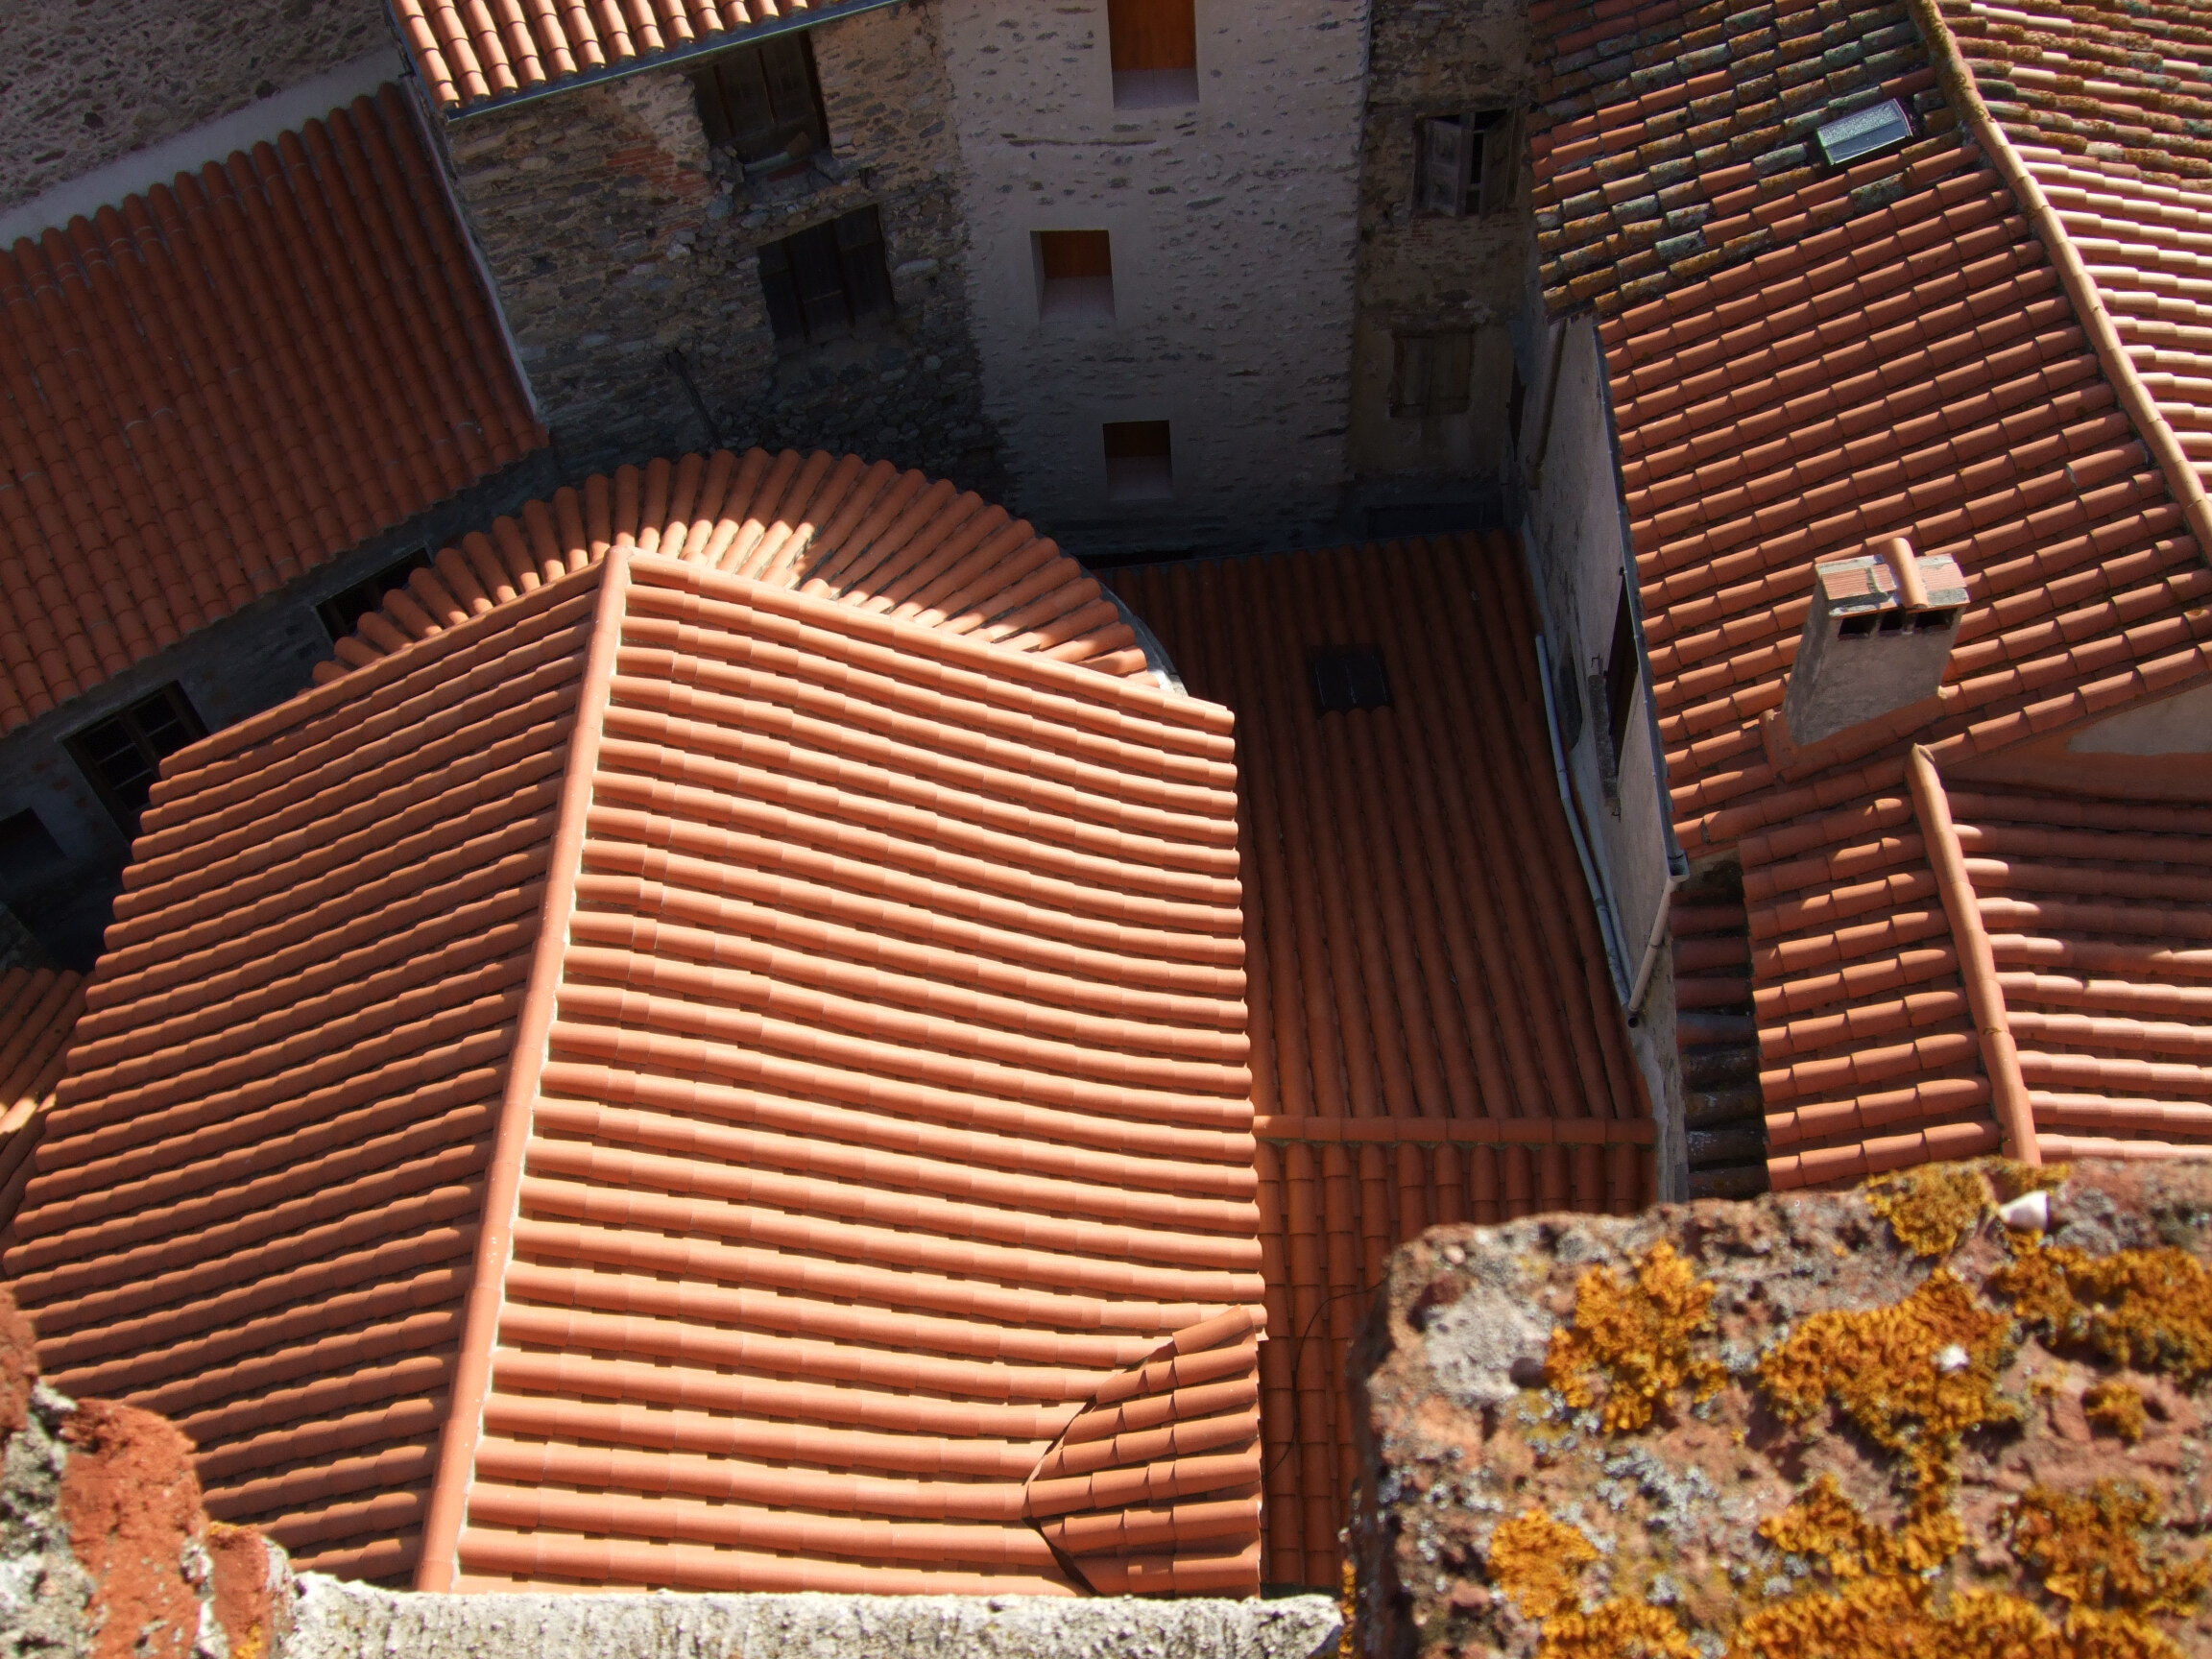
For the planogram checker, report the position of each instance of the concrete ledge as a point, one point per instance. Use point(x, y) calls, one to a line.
point(334, 1619)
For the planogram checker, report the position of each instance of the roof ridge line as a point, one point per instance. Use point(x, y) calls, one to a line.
point(2157, 434)
point(445, 1512)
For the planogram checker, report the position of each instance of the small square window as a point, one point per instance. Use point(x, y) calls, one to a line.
point(1138, 464)
point(823, 282)
point(1075, 276)
point(121, 756)
point(1429, 373)
point(1466, 166)
point(1154, 46)
point(341, 612)
point(1348, 677)
point(763, 103)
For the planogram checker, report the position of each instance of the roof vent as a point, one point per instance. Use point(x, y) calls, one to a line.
point(1878, 637)
point(1348, 677)
point(1864, 131)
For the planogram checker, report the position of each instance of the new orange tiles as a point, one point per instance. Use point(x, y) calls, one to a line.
point(227, 381)
point(1434, 1037)
point(673, 1078)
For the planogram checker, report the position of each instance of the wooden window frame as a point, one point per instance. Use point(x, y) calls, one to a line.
point(823, 282)
point(1153, 48)
point(778, 74)
point(133, 723)
point(1466, 166)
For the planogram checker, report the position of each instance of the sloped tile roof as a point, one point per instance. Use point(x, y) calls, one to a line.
point(890, 544)
point(2093, 912)
point(1889, 354)
point(882, 1096)
point(1434, 1037)
point(468, 58)
point(38, 1010)
point(2112, 114)
point(225, 382)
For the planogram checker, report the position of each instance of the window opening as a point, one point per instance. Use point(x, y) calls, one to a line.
point(1614, 691)
point(1467, 166)
point(1139, 464)
point(763, 104)
point(1348, 677)
point(1154, 44)
point(1075, 276)
point(1429, 372)
point(823, 282)
point(341, 612)
point(121, 756)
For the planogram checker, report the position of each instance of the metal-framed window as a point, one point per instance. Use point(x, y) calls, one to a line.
point(121, 756)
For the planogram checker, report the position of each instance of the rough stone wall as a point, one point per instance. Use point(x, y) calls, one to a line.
point(1959, 1411)
point(82, 85)
point(106, 1552)
point(612, 242)
point(1435, 272)
point(1231, 225)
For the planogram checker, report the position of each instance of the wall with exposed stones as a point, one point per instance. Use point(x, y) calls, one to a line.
point(613, 240)
point(81, 86)
point(1961, 1411)
point(1426, 271)
point(1232, 227)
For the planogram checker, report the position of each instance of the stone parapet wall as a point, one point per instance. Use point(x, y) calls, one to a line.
point(1957, 1411)
point(612, 242)
point(83, 86)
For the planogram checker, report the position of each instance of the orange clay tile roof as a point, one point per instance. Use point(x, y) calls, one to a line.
point(1803, 360)
point(470, 56)
point(225, 382)
point(1434, 1037)
point(1889, 353)
point(2094, 912)
point(891, 544)
point(39, 1009)
point(672, 1080)
point(2112, 114)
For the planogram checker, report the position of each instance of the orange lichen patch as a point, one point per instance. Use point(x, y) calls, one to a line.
point(1538, 1561)
point(1638, 1334)
point(2118, 1406)
point(2089, 1551)
point(1933, 1209)
point(1899, 1618)
point(2149, 1308)
point(1825, 1525)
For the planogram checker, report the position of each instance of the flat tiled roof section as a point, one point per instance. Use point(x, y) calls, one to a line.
point(227, 381)
point(756, 1066)
point(257, 1202)
point(469, 55)
point(38, 1010)
point(891, 544)
point(1434, 1034)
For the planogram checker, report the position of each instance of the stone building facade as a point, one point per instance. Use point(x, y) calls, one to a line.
point(616, 237)
point(81, 87)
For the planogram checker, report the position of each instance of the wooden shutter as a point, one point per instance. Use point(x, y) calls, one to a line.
point(1500, 162)
point(1152, 35)
point(1446, 159)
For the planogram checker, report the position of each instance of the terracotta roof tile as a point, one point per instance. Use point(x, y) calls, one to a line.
point(227, 381)
point(1430, 1043)
point(888, 1035)
point(467, 61)
point(38, 1011)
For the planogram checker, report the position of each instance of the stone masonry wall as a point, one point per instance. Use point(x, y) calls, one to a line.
point(612, 242)
point(1434, 272)
point(82, 85)
point(1230, 223)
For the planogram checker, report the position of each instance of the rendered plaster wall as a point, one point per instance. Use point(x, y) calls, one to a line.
point(249, 660)
point(1572, 496)
point(1432, 272)
point(1233, 228)
point(81, 86)
point(611, 242)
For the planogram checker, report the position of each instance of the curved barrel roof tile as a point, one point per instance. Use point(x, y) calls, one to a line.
point(227, 381)
point(894, 545)
point(670, 1079)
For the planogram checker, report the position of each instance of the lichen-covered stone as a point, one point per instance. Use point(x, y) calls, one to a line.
point(1958, 1414)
